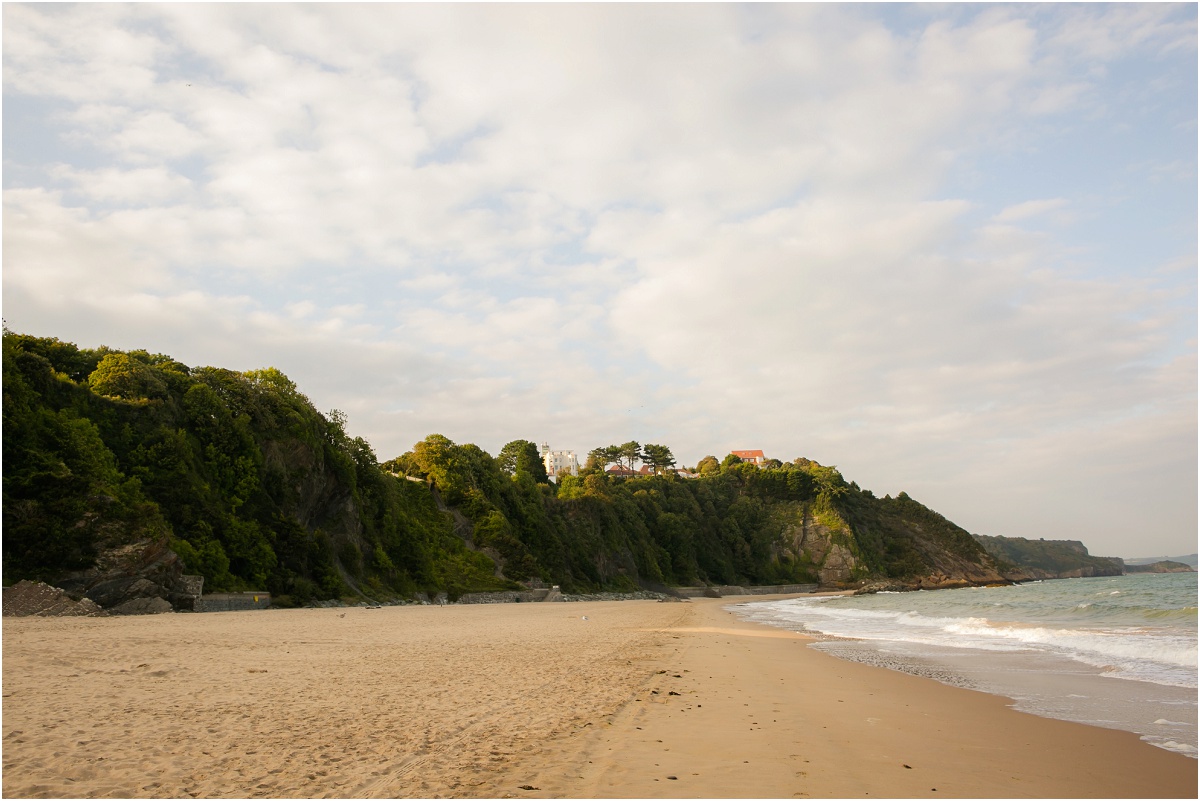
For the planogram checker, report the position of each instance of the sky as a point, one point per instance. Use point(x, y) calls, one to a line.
point(950, 249)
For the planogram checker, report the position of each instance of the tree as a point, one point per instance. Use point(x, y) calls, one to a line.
point(658, 458)
point(603, 457)
point(594, 461)
point(630, 453)
point(434, 458)
point(337, 425)
point(507, 458)
point(120, 376)
point(522, 456)
point(829, 481)
point(272, 378)
point(730, 460)
point(708, 465)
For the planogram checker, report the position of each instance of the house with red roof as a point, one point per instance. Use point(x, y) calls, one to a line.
point(621, 471)
point(753, 457)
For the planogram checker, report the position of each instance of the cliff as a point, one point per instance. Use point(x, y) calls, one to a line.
point(1164, 566)
point(1048, 559)
point(126, 471)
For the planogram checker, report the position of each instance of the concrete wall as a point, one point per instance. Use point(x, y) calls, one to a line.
point(524, 596)
point(696, 592)
point(780, 589)
point(729, 589)
point(233, 601)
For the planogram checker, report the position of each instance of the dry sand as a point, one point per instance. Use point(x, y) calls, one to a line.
point(604, 699)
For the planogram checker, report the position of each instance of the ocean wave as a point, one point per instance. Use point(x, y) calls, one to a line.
point(1135, 641)
point(1171, 745)
point(999, 639)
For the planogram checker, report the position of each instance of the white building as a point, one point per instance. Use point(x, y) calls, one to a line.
point(559, 462)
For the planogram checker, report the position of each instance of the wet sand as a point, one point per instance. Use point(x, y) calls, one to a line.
point(640, 699)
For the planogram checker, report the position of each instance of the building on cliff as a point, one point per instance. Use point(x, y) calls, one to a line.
point(559, 462)
point(753, 457)
point(621, 471)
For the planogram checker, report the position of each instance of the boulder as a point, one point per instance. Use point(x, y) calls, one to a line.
point(142, 606)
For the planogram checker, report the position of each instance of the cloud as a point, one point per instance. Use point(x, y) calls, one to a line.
point(141, 187)
point(714, 226)
point(1028, 209)
point(1105, 33)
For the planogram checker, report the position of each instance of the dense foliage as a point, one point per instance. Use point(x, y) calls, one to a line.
point(256, 489)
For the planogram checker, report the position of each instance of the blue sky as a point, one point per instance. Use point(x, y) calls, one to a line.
point(950, 249)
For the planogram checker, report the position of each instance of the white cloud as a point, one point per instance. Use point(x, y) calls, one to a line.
point(1028, 209)
point(1104, 33)
point(82, 54)
point(146, 186)
point(714, 226)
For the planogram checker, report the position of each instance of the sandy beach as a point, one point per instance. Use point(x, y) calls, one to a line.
point(605, 699)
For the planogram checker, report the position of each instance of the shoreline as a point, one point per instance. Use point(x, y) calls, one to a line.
point(588, 699)
point(1094, 677)
point(742, 728)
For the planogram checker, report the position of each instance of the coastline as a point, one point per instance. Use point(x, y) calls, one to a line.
point(589, 699)
point(762, 715)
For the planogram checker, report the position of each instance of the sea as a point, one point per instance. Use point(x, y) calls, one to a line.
point(1118, 652)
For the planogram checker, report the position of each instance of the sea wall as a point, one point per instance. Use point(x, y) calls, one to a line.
point(233, 601)
point(510, 597)
point(723, 590)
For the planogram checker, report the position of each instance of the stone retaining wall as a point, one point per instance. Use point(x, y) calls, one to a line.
point(780, 589)
point(510, 597)
point(233, 601)
point(731, 589)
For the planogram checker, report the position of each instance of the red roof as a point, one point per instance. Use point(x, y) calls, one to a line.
point(748, 454)
point(622, 470)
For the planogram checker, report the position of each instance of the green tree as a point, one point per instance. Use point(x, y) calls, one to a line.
point(630, 453)
point(272, 377)
point(708, 466)
point(522, 457)
point(730, 461)
point(434, 456)
point(601, 458)
point(121, 376)
point(658, 458)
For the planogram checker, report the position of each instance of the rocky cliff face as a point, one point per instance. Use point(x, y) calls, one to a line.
point(1164, 566)
point(1026, 560)
point(838, 550)
point(820, 542)
point(309, 491)
point(144, 577)
point(950, 569)
point(945, 571)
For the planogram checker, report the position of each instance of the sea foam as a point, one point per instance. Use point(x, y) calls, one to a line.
point(1139, 630)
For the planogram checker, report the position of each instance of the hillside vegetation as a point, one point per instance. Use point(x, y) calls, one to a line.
point(1049, 559)
point(254, 488)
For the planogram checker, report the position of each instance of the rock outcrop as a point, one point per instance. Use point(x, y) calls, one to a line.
point(825, 547)
point(1164, 566)
point(144, 577)
point(28, 598)
point(1048, 559)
